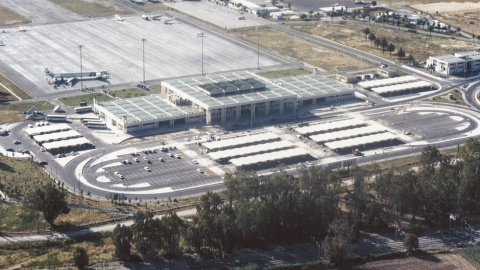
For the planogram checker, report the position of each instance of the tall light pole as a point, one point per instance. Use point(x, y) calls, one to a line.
point(201, 35)
point(143, 58)
point(81, 68)
point(258, 46)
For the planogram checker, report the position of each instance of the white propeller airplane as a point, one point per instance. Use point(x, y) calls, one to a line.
point(168, 21)
point(151, 17)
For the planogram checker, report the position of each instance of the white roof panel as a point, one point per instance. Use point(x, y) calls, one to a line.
point(56, 136)
point(248, 150)
point(241, 141)
point(46, 129)
point(322, 127)
point(389, 81)
point(349, 133)
point(278, 155)
point(66, 143)
point(380, 137)
point(401, 87)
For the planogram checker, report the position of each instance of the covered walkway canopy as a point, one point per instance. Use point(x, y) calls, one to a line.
point(402, 87)
point(349, 143)
point(387, 82)
point(62, 135)
point(323, 127)
point(249, 150)
point(268, 157)
point(349, 133)
point(241, 141)
point(46, 129)
point(66, 143)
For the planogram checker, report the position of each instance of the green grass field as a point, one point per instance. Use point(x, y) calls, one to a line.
point(74, 101)
point(129, 93)
point(6, 95)
point(94, 9)
point(457, 98)
point(157, 88)
point(472, 255)
point(9, 17)
point(283, 73)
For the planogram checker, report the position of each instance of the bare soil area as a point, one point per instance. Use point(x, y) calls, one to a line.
point(420, 46)
point(425, 262)
point(300, 50)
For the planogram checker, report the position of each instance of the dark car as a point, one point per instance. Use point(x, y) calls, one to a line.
point(10, 149)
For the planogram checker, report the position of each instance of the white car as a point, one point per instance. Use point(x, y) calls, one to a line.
point(170, 154)
point(136, 160)
point(194, 161)
point(200, 170)
point(147, 169)
point(161, 159)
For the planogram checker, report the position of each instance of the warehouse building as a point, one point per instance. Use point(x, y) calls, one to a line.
point(220, 99)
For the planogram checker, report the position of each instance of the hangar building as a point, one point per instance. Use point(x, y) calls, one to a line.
point(220, 99)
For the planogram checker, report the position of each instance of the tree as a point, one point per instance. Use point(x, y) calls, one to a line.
point(430, 29)
point(391, 48)
point(411, 59)
point(372, 37)
point(384, 44)
point(377, 42)
point(336, 243)
point(374, 3)
point(50, 201)
point(80, 258)
point(400, 53)
point(173, 228)
point(303, 16)
point(366, 31)
point(122, 239)
point(411, 242)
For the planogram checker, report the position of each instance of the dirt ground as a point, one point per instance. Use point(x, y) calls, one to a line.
point(300, 50)
point(427, 262)
point(420, 46)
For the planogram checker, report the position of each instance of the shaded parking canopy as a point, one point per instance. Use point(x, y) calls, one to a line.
point(240, 141)
point(348, 143)
point(62, 135)
point(349, 133)
point(66, 143)
point(387, 82)
point(268, 157)
point(323, 127)
point(401, 87)
point(249, 150)
point(46, 129)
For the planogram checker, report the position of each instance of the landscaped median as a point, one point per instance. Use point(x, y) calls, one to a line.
point(74, 101)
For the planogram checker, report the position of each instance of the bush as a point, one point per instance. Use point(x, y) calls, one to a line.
point(411, 242)
point(80, 258)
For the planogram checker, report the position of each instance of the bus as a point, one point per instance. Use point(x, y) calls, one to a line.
point(96, 125)
point(56, 118)
point(88, 119)
point(83, 109)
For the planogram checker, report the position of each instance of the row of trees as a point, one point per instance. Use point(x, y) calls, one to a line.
point(386, 46)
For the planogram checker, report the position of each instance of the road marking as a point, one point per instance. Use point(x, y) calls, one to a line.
point(10, 91)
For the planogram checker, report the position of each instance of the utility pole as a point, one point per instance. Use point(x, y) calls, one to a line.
point(143, 58)
point(258, 46)
point(81, 68)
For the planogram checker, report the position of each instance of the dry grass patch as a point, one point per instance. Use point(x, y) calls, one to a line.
point(91, 8)
point(14, 112)
point(300, 50)
point(9, 17)
point(420, 46)
point(5, 95)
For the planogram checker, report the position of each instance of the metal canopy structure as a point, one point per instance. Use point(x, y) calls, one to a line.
point(47, 129)
point(269, 157)
point(387, 82)
point(249, 150)
point(241, 141)
point(348, 143)
point(323, 127)
point(62, 135)
point(66, 143)
point(349, 133)
point(232, 87)
point(402, 87)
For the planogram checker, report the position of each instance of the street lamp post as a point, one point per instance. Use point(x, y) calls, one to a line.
point(258, 46)
point(252, 111)
point(81, 67)
point(143, 58)
point(201, 35)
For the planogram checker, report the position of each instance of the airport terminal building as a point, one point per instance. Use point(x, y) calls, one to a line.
point(221, 99)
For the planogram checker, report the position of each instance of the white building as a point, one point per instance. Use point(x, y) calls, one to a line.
point(455, 64)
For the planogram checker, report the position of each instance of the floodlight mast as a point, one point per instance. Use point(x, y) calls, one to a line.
point(81, 67)
point(201, 35)
point(143, 58)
